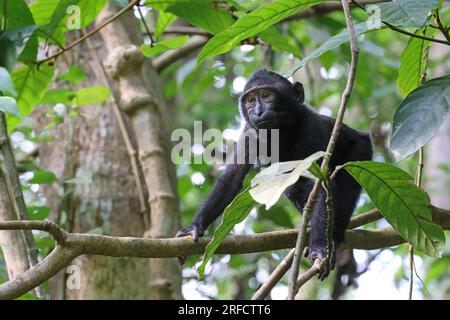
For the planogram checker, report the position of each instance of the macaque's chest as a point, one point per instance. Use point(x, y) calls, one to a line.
point(286, 149)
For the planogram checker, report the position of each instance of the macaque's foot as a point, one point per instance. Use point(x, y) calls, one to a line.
point(313, 253)
point(193, 230)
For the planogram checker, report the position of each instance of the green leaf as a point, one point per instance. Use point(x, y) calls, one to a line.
point(403, 204)
point(165, 19)
point(54, 14)
point(6, 84)
point(38, 212)
point(45, 243)
point(13, 42)
point(269, 184)
point(91, 96)
point(252, 24)
point(277, 41)
point(18, 16)
point(9, 105)
point(201, 14)
point(419, 116)
point(333, 43)
point(407, 13)
point(278, 214)
point(235, 213)
point(31, 84)
point(55, 96)
point(413, 62)
point(42, 10)
point(163, 46)
point(42, 177)
point(74, 75)
point(17, 13)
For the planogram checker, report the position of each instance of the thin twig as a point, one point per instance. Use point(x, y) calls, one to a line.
point(309, 274)
point(145, 26)
point(419, 172)
point(330, 148)
point(192, 31)
point(123, 130)
point(441, 27)
point(275, 277)
point(411, 272)
point(91, 33)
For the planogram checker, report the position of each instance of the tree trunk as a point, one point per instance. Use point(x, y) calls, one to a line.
point(12, 243)
point(106, 198)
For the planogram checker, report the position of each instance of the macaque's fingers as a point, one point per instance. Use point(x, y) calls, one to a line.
point(182, 260)
point(192, 231)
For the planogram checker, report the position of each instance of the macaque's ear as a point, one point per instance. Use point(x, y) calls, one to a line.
point(299, 92)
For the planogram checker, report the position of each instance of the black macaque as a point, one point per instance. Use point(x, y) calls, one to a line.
point(270, 101)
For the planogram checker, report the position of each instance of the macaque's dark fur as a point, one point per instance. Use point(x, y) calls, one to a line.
point(302, 132)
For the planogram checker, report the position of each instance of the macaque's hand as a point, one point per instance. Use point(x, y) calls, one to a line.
point(193, 230)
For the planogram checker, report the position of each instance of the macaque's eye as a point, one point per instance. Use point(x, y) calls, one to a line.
point(266, 95)
point(251, 100)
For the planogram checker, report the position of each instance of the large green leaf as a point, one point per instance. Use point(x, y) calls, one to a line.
point(419, 116)
point(163, 46)
point(269, 184)
point(6, 84)
point(235, 213)
point(252, 24)
point(407, 13)
point(31, 84)
point(413, 63)
point(17, 13)
point(403, 204)
point(273, 37)
point(202, 15)
point(165, 19)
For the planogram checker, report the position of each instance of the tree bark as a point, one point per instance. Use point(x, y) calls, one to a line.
point(12, 243)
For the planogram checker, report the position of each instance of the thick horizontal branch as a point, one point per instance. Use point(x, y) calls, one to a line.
point(71, 245)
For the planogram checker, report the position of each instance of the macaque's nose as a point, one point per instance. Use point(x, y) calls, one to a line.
point(259, 110)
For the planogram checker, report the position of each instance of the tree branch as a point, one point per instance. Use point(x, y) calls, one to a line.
point(71, 245)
